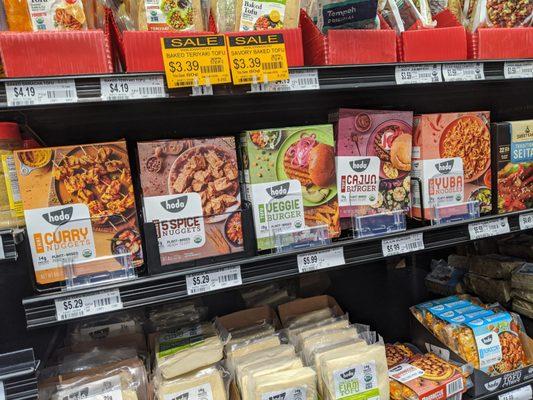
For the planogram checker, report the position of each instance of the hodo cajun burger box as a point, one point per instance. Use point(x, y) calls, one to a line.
point(79, 208)
point(191, 193)
point(492, 340)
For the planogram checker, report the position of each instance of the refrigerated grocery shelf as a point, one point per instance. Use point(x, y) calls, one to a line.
point(40, 310)
point(8, 240)
point(18, 375)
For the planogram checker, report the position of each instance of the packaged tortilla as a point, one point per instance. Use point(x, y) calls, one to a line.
point(501, 14)
point(347, 14)
point(168, 15)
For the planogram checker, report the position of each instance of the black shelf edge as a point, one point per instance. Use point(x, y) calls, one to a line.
point(8, 240)
point(150, 290)
point(342, 77)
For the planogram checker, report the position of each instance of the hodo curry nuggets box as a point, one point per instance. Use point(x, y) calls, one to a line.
point(289, 176)
point(191, 193)
point(79, 208)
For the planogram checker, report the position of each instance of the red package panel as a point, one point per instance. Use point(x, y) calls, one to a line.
point(434, 44)
point(293, 43)
point(501, 43)
point(28, 54)
point(359, 46)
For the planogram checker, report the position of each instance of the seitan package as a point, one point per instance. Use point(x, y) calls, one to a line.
point(211, 383)
point(501, 14)
point(298, 383)
point(522, 278)
point(237, 351)
point(183, 350)
point(525, 295)
point(259, 15)
point(523, 307)
point(360, 374)
point(488, 289)
point(494, 265)
point(169, 15)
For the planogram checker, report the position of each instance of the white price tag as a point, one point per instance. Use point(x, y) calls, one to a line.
point(423, 73)
point(132, 88)
point(455, 72)
point(2, 254)
point(204, 90)
point(306, 79)
point(484, 229)
point(320, 259)
point(88, 304)
point(523, 393)
point(518, 69)
point(440, 351)
point(29, 93)
point(213, 280)
point(526, 221)
point(402, 244)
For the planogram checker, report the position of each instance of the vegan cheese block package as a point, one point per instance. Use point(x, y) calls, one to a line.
point(297, 383)
point(451, 158)
point(79, 208)
point(191, 192)
point(289, 175)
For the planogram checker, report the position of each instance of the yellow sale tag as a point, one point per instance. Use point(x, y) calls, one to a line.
point(258, 58)
point(195, 60)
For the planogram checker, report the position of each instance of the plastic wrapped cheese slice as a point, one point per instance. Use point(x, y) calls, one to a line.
point(364, 371)
point(236, 351)
point(310, 344)
point(256, 370)
point(299, 383)
point(263, 356)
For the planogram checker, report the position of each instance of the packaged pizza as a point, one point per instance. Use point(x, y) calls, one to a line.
point(399, 353)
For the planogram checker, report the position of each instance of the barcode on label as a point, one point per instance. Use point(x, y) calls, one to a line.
point(12, 171)
point(211, 69)
point(306, 81)
point(454, 387)
point(88, 304)
point(146, 91)
point(402, 244)
point(106, 301)
point(54, 94)
point(213, 280)
point(272, 65)
point(228, 278)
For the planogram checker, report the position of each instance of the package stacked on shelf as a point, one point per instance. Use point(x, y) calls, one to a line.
point(522, 290)
point(446, 277)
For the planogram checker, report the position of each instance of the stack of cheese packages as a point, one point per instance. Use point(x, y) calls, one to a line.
point(187, 356)
point(349, 360)
point(263, 364)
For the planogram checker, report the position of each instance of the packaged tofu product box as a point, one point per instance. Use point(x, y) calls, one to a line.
point(79, 208)
point(373, 161)
point(191, 192)
point(512, 160)
point(451, 158)
point(289, 175)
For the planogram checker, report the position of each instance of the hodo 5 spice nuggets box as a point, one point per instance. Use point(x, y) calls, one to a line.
point(289, 175)
point(191, 192)
point(79, 206)
point(451, 157)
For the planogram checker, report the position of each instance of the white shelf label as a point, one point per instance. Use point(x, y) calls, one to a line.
point(132, 88)
point(523, 393)
point(215, 279)
point(2, 254)
point(29, 93)
point(204, 90)
point(2, 392)
point(88, 304)
point(440, 351)
point(306, 79)
point(402, 244)
point(526, 221)
point(320, 259)
point(484, 229)
point(455, 72)
point(423, 73)
point(518, 69)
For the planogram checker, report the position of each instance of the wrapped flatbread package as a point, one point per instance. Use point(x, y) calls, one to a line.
point(210, 383)
point(522, 277)
point(523, 307)
point(184, 350)
point(488, 289)
point(525, 295)
point(236, 351)
point(263, 356)
point(323, 339)
point(364, 371)
point(494, 265)
point(299, 383)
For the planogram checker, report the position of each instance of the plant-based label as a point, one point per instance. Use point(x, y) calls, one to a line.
point(201, 392)
point(357, 180)
point(174, 346)
point(295, 393)
point(278, 207)
point(178, 219)
point(357, 382)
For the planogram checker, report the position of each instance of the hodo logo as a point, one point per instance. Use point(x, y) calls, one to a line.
point(183, 396)
point(444, 167)
point(82, 394)
point(175, 205)
point(487, 340)
point(360, 165)
point(59, 217)
point(279, 396)
point(348, 374)
point(279, 191)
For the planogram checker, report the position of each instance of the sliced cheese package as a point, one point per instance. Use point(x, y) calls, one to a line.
point(298, 383)
point(185, 349)
point(363, 373)
point(210, 383)
point(239, 350)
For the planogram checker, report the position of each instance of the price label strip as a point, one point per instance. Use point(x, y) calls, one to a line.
point(216, 279)
point(523, 393)
point(413, 74)
point(298, 80)
point(258, 58)
point(484, 229)
point(518, 69)
point(132, 88)
point(2, 253)
point(40, 92)
point(402, 244)
point(320, 260)
point(456, 72)
point(195, 61)
point(526, 221)
point(88, 304)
